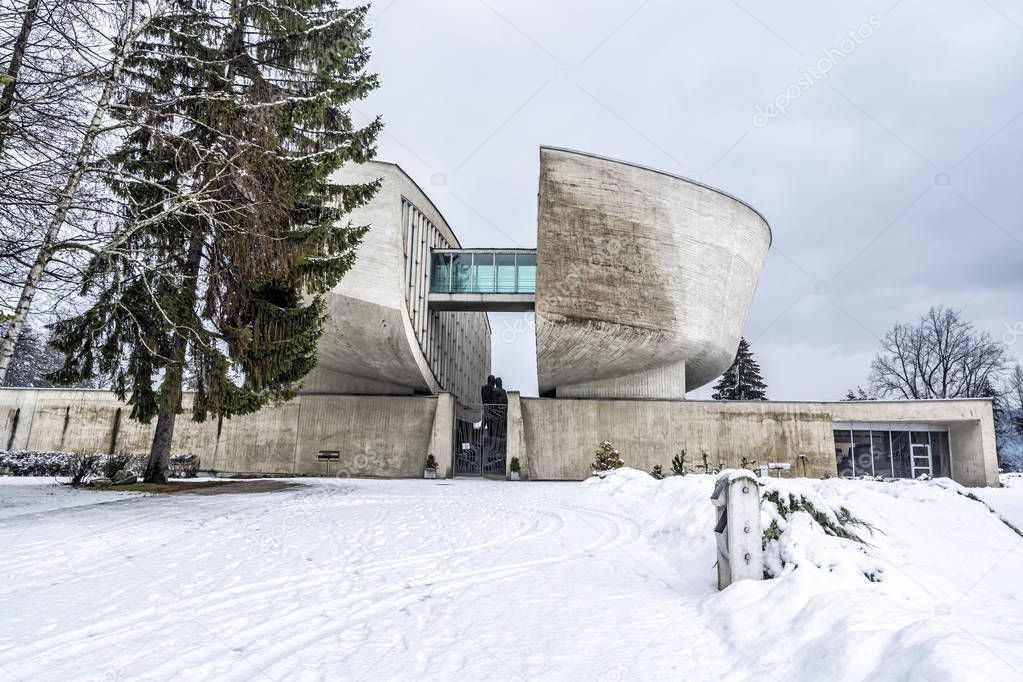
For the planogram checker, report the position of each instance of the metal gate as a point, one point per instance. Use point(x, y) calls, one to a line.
point(481, 440)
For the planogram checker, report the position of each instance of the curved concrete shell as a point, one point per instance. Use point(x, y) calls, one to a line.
point(379, 336)
point(644, 279)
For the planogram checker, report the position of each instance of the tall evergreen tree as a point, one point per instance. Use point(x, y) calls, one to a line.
point(234, 227)
point(742, 381)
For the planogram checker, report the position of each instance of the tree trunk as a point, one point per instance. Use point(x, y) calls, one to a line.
point(170, 389)
point(14, 67)
point(159, 453)
point(67, 194)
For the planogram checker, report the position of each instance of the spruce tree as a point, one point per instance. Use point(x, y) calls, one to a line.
point(607, 458)
point(742, 381)
point(233, 227)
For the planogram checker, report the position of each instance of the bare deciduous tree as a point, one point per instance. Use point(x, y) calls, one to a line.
point(1013, 397)
point(36, 238)
point(942, 356)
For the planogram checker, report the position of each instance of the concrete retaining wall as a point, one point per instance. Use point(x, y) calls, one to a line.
point(376, 435)
point(559, 437)
point(554, 439)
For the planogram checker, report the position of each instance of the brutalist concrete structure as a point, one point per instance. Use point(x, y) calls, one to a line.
point(641, 284)
point(380, 337)
point(644, 279)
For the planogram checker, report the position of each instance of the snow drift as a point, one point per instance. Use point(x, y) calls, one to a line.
point(927, 592)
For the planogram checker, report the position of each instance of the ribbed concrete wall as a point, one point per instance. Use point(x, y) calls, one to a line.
point(644, 279)
point(559, 437)
point(386, 436)
point(555, 439)
point(378, 337)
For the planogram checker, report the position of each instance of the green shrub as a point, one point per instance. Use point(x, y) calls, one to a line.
point(678, 464)
point(607, 458)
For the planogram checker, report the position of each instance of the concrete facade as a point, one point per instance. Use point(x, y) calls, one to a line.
point(557, 439)
point(377, 436)
point(380, 337)
point(643, 284)
point(554, 439)
point(644, 279)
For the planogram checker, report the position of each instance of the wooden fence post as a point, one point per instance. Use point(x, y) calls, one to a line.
point(737, 529)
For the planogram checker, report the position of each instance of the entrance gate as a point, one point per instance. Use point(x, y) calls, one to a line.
point(481, 440)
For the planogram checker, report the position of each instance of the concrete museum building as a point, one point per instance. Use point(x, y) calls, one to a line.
point(641, 283)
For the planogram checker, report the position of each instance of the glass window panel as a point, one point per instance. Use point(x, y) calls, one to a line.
point(505, 272)
point(862, 460)
point(527, 273)
point(881, 446)
point(410, 256)
point(900, 454)
point(440, 277)
point(461, 280)
point(940, 454)
point(920, 438)
point(486, 276)
point(844, 452)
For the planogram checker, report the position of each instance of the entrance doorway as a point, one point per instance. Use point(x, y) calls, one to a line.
point(481, 440)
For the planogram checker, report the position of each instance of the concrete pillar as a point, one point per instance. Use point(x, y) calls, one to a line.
point(442, 443)
point(516, 444)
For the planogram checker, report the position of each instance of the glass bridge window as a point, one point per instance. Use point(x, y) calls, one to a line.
point(526, 266)
point(461, 273)
point(505, 272)
point(486, 276)
point(440, 278)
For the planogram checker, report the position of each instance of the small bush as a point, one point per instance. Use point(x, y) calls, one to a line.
point(515, 466)
point(678, 464)
point(657, 472)
point(839, 526)
point(181, 466)
point(837, 522)
point(113, 464)
point(607, 459)
point(82, 468)
point(707, 468)
point(431, 462)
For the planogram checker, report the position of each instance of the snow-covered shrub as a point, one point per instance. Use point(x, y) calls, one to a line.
point(181, 466)
point(114, 463)
point(82, 467)
point(607, 459)
point(657, 472)
point(794, 522)
point(27, 463)
point(30, 463)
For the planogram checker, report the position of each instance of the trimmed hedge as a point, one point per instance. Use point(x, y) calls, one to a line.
point(30, 463)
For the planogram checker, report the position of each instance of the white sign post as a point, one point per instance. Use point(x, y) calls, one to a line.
point(738, 531)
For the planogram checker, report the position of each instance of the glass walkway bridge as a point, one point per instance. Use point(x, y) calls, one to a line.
point(488, 280)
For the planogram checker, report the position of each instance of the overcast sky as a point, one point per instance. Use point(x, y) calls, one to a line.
point(881, 140)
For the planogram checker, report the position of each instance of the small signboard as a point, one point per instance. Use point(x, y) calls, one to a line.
point(328, 455)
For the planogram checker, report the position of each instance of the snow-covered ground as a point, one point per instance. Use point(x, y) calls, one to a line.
point(608, 579)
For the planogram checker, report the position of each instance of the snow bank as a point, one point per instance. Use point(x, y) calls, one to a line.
point(930, 593)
